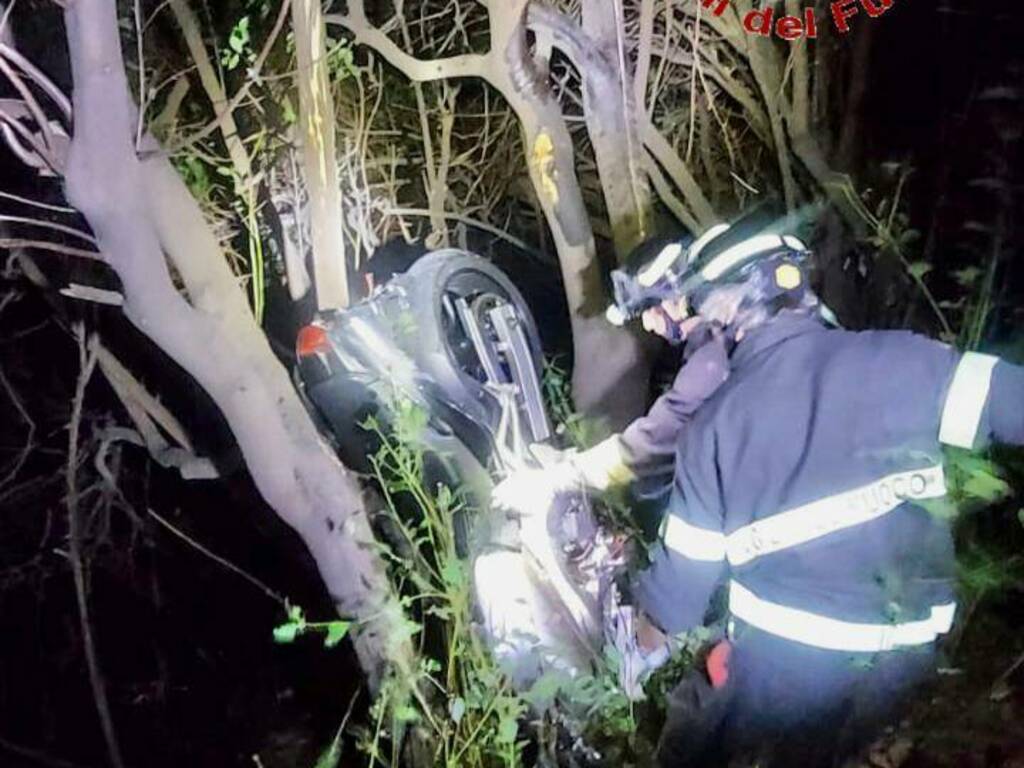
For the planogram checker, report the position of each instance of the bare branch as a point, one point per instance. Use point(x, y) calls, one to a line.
point(30, 434)
point(29, 101)
point(43, 245)
point(272, 594)
point(150, 416)
point(468, 220)
point(95, 295)
point(75, 555)
point(417, 70)
point(37, 204)
point(49, 225)
point(674, 165)
point(224, 119)
point(319, 156)
point(49, 87)
point(45, 159)
point(243, 92)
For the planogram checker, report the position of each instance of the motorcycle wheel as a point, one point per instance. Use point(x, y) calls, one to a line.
point(444, 350)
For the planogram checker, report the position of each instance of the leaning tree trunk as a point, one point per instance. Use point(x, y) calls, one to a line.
point(141, 211)
point(610, 364)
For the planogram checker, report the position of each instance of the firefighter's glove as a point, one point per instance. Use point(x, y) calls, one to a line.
point(532, 491)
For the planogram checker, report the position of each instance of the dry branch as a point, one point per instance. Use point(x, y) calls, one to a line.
point(87, 361)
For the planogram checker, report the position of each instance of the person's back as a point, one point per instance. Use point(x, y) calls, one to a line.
point(811, 484)
point(808, 481)
point(848, 422)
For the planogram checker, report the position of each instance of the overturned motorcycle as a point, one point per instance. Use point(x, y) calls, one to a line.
point(454, 336)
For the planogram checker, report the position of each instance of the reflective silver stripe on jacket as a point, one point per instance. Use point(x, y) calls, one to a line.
point(693, 542)
point(833, 634)
point(966, 400)
point(805, 523)
point(833, 513)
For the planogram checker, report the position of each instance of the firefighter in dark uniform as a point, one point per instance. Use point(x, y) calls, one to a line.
point(804, 472)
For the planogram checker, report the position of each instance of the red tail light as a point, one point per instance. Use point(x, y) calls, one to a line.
point(312, 340)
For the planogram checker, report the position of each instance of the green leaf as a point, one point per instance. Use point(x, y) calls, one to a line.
point(336, 631)
point(508, 729)
point(296, 614)
point(909, 237)
point(239, 35)
point(288, 113)
point(453, 573)
point(456, 709)
point(406, 714)
point(919, 269)
point(986, 486)
point(967, 277)
point(442, 612)
point(286, 633)
point(541, 695)
point(331, 757)
point(444, 496)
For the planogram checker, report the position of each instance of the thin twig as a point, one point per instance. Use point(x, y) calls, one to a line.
point(36, 755)
point(49, 225)
point(39, 77)
point(45, 245)
point(29, 437)
point(87, 361)
point(140, 53)
point(39, 157)
point(5, 20)
point(31, 103)
point(468, 220)
point(243, 92)
point(37, 204)
point(276, 596)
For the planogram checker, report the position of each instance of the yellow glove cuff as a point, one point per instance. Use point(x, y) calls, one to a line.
point(604, 466)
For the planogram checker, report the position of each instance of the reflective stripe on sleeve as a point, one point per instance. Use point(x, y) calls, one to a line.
point(693, 542)
point(833, 634)
point(833, 513)
point(966, 399)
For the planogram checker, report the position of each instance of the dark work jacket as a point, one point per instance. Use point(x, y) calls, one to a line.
point(809, 412)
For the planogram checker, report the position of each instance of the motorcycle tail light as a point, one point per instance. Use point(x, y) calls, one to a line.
point(312, 340)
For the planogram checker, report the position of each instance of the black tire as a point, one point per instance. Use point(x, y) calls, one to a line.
point(454, 270)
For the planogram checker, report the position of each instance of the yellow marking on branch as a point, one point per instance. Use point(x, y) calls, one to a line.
point(318, 81)
point(543, 160)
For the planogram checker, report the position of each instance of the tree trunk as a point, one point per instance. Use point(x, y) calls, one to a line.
point(611, 114)
point(140, 210)
point(609, 380)
point(319, 159)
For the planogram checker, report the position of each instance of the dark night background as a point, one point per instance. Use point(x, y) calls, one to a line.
point(193, 676)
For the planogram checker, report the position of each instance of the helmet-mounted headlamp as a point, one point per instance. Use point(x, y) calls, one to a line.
point(714, 259)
